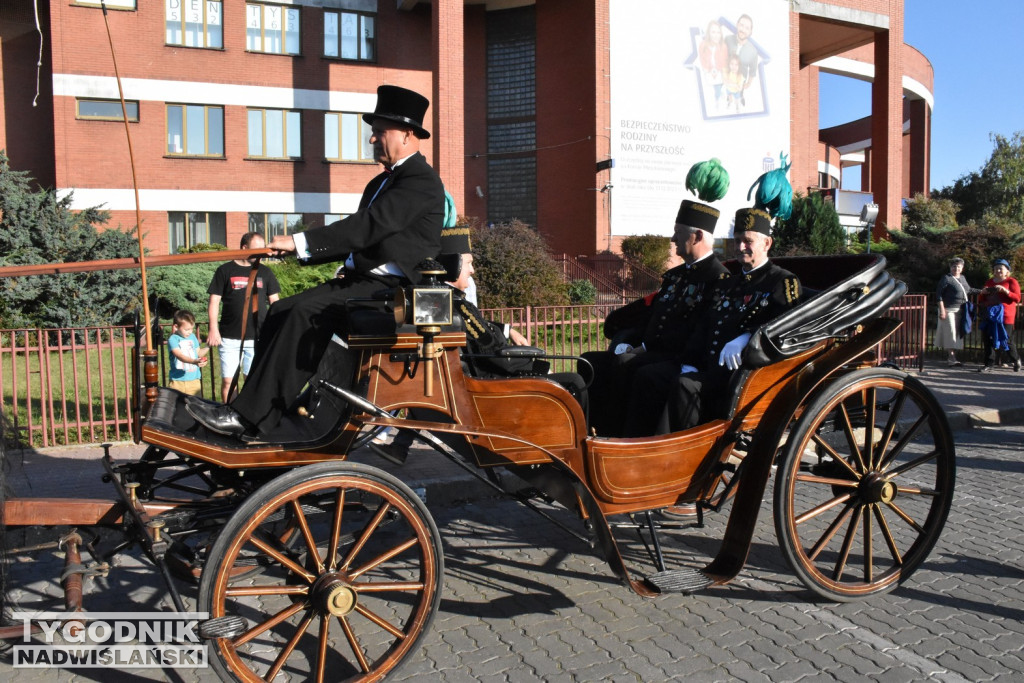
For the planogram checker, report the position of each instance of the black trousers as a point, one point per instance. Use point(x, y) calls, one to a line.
point(292, 340)
point(614, 379)
point(991, 351)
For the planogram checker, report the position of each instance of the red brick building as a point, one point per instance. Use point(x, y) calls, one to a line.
point(246, 114)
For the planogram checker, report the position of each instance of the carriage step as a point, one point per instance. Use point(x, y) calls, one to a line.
point(230, 626)
point(679, 580)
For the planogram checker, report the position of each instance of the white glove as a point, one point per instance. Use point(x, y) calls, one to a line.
point(623, 348)
point(732, 355)
point(687, 369)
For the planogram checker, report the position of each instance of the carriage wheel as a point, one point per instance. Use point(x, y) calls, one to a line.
point(350, 600)
point(856, 516)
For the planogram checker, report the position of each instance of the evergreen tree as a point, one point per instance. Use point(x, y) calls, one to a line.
point(514, 268)
point(37, 227)
point(812, 229)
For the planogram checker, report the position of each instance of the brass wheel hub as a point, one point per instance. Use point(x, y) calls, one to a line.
point(875, 488)
point(332, 595)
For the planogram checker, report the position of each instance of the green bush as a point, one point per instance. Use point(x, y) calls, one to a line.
point(649, 251)
point(181, 287)
point(514, 268)
point(812, 230)
point(295, 278)
point(582, 292)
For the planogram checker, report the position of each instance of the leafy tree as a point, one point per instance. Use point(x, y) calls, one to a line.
point(812, 229)
point(997, 189)
point(929, 216)
point(514, 268)
point(37, 227)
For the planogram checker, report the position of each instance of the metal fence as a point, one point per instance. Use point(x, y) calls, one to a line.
point(72, 386)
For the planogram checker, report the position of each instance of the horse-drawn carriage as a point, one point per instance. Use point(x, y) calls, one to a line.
point(308, 562)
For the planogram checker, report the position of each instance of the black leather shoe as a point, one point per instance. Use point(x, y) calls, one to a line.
point(1016, 366)
point(217, 418)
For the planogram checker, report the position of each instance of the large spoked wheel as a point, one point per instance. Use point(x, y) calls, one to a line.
point(864, 484)
point(350, 600)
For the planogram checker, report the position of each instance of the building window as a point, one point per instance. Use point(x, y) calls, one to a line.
point(334, 217)
point(107, 110)
point(187, 229)
point(272, 28)
point(195, 130)
point(275, 134)
point(350, 35)
point(347, 138)
point(111, 4)
point(195, 23)
point(272, 224)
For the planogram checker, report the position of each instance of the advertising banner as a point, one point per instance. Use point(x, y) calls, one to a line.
point(692, 80)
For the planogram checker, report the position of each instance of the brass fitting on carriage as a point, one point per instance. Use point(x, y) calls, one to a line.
point(431, 310)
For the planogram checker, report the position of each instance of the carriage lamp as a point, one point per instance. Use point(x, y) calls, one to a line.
point(431, 309)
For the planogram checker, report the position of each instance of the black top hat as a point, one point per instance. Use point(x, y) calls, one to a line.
point(697, 215)
point(401, 106)
point(753, 219)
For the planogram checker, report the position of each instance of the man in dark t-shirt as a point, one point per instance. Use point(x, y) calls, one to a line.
point(228, 287)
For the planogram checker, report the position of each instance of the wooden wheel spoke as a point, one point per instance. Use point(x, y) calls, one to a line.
point(917, 491)
point(282, 558)
point(851, 438)
point(883, 526)
point(383, 557)
point(884, 463)
point(824, 507)
point(287, 650)
point(825, 481)
point(321, 650)
point(829, 533)
point(388, 586)
point(868, 550)
point(307, 534)
point(332, 549)
point(869, 427)
point(890, 426)
point(273, 621)
point(844, 553)
point(916, 462)
point(239, 591)
point(905, 517)
point(353, 642)
point(380, 621)
point(364, 536)
point(835, 455)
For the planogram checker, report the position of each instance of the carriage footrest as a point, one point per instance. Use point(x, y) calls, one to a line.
point(679, 581)
point(223, 627)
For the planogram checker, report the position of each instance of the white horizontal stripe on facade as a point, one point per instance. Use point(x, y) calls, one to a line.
point(863, 71)
point(144, 89)
point(828, 169)
point(114, 199)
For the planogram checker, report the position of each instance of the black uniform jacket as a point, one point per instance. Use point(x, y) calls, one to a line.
point(402, 225)
point(745, 302)
point(664, 320)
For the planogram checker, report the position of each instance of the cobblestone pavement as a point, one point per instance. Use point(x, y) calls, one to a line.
point(523, 601)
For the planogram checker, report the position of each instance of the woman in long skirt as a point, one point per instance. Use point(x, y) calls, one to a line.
point(952, 297)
